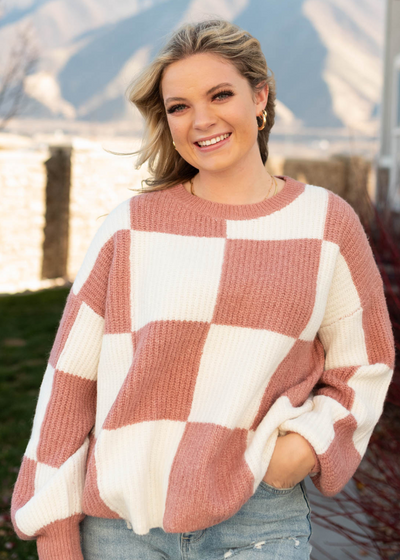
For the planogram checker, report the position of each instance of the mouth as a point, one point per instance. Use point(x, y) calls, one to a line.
point(213, 143)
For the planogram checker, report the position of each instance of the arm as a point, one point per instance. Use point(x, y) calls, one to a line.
point(46, 500)
point(358, 342)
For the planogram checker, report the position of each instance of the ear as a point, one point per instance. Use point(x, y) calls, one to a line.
point(261, 99)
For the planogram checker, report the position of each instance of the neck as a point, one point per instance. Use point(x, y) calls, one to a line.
point(246, 183)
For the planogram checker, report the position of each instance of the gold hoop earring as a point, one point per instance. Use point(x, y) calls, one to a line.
point(174, 144)
point(264, 118)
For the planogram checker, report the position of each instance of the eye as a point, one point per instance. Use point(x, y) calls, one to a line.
point(223, 94)
point(220, 95)
point(175, 108)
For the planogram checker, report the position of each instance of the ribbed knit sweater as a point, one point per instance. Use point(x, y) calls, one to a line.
point(196, 333)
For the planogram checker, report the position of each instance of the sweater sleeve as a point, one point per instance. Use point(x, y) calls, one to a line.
point(358, 342)
point(47, 495)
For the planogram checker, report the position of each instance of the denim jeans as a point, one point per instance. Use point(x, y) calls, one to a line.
point(274, 524)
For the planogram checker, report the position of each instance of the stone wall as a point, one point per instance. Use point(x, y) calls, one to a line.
point(42, 247)
point(22, 218)
point(99, 182)
point(349, 177)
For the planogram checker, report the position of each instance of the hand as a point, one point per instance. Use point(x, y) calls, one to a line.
point(291, 461)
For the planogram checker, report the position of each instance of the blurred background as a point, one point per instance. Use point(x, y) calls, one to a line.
point(64, 70)
point(65, 66)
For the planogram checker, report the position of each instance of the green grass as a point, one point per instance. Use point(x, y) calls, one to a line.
point(28, 327)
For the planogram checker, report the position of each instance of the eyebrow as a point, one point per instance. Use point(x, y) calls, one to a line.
point(224, 84)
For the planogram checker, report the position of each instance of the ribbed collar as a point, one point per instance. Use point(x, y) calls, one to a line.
point(290, 192)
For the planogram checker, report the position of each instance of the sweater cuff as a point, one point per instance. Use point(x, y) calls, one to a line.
point(61, 540)
point(317, 465)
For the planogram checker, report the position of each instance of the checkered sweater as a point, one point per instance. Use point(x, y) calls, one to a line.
point(196, 333)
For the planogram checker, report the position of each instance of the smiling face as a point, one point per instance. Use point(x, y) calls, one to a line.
point(211, 112)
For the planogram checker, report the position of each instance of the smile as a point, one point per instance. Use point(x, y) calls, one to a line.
point(213, 141)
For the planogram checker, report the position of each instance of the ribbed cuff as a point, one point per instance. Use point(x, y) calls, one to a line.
point(317, 465)
point(61, 540)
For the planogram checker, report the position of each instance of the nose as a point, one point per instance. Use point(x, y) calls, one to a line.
point(203, 118)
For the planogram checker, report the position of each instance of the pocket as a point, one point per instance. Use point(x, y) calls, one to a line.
point(273, 490)
point(307, 501)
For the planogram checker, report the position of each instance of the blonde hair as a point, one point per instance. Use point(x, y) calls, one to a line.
point(216, 36)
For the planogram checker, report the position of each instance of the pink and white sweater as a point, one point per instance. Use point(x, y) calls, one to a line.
point(195, 333)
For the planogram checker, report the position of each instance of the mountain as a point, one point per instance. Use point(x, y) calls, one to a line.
point(326, 55)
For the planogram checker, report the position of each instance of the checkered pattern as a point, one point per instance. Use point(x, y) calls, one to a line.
point(194, 335)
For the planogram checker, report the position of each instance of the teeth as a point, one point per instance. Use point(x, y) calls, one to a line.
point(213, 140)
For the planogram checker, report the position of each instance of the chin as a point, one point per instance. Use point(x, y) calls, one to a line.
point(215, 167)
point(213, 162)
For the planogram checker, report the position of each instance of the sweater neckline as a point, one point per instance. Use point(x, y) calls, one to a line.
point(290, 191)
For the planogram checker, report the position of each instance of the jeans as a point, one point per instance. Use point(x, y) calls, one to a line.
point(274, 524)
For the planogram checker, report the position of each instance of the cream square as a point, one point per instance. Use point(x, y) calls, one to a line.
point(343, 299)
point(41, 406)
point(118, 218)
point(174, 277)
point(44, 473)
point(302, 218)
point(344, 342)
point(370, 385)
point(326, 268)
point(138, 481)
point(81, 352)
point(59, 497)
point(237, 363)
point(115, 360)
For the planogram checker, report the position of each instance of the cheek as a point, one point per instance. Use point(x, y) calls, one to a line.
point(242, 120)
point(179, 125)
point(173, 127)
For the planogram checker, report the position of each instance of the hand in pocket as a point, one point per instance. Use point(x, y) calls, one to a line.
point(291, 461)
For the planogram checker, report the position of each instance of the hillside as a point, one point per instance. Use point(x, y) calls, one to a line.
point(326, 54)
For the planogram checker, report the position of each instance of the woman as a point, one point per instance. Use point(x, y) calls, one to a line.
point(226, 335)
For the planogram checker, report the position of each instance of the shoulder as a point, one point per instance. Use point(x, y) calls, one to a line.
point(341, 220)
point(150, 205)
point(132, 213)
point(117, 219)
point(147, 199)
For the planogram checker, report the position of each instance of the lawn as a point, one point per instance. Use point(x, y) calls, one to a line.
point(29, 324)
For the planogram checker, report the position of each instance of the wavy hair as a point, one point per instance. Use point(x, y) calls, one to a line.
point(216, 36)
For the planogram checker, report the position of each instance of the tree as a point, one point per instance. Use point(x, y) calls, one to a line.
point(20, 61)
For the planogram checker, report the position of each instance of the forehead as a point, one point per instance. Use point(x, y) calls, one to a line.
point(198, 72)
